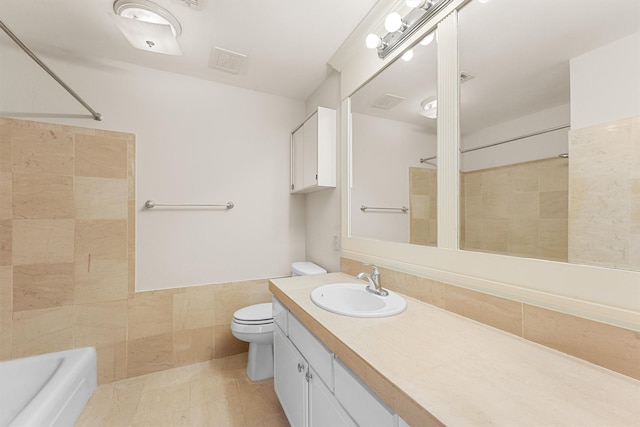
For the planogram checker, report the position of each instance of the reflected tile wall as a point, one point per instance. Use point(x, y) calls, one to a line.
point(423, 198)
point(67, 260)
point(613, 347)
point(518, 209)
point(604, 183)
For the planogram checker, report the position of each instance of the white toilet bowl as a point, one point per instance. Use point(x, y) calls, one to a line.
point(254, 324)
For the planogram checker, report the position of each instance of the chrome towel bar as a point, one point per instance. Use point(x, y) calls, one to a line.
point(151, 204)
point(364, 208)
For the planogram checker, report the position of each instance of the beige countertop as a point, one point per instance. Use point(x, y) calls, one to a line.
point(435, 367)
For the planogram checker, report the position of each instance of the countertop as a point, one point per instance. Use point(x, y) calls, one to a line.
point(434, 367)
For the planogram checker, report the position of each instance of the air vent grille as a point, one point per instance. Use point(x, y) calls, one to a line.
point(387, 102)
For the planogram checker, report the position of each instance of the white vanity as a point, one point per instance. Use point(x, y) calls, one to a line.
point(315, 388)
point(429, 367)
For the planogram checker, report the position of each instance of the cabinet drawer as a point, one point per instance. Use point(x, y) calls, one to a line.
point(280, 315)
point(312, 349)
point(363, 405)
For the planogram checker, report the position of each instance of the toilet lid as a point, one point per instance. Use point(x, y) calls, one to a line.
point(255, 314)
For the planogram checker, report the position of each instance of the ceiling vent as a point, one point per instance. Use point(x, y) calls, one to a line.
point(387, 102)
point(192, 3)
point(226, 60)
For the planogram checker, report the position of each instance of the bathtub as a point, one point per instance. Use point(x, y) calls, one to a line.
point(47, 390)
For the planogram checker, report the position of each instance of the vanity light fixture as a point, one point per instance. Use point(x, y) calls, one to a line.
point(148, 26)
point(399, 28)
point(408, 55)
point(428, 39)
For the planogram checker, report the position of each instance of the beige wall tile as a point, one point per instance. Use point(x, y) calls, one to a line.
point(42, 331)
point(43, 241)
point(150, 315)
point(42, 196)
point(350, 266)
point(131, 167)
point(613, 347)
point(554, 175)
point(225, 344)
point(6, 311)
point(149, 354)
point(233, 296)
point(6, 196)
point(554, 204)
point(112, 362)
point(101, 156)
point(524, 205)
point(494, 311)
point(100, 324)
point(131, 273)
point(194, 309)
point(39, 286)
point(495, 205)
point(192, 346)
point(5, 146)
point(45, 151)
point(100, 281)
point(131, 226)
point(100, 198)
point(523, 178)
point(6, 242)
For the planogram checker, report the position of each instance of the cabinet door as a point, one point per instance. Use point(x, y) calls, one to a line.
point(311, 151)
point(297, 160)
point(324, 409)
point(289, 379)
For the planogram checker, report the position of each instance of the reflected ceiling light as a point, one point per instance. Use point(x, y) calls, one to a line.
point(399, 28)
point(408, 55)
point(148, 26)
point(426, 41)
point(429, 108)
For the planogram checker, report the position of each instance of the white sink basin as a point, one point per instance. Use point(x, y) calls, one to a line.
point(352, 299)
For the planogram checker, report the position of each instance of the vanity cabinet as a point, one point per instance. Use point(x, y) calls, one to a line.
point(315, 389)
point(313, 152)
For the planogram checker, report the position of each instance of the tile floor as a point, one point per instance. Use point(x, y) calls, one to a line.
point(213, 393)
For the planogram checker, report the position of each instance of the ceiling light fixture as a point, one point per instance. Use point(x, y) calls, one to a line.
point(429, 108)
point(148, 26)
point(399, 28)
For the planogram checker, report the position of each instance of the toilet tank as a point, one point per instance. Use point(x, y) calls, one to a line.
point(306, 269)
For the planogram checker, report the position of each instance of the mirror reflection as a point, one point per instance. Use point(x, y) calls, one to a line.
point(547, 145)
point(393, 146)
point(550, 135)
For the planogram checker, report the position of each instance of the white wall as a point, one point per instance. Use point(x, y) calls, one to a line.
point(197, 142)
point(323, 213)
point(383, 150)
point(537, 147)
point(605, 83)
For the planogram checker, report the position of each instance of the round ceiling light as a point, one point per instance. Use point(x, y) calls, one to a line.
point(146, 11)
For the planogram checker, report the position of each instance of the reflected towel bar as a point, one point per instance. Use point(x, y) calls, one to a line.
point(364, 208)
point(151, 204)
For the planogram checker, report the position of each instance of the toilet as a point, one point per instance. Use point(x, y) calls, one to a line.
point(254, 324)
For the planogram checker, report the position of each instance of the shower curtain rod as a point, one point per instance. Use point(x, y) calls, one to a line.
point(96, 116)
point(540, 132)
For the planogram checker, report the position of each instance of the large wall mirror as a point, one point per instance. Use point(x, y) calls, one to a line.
point(393, 176)
point(550, 135)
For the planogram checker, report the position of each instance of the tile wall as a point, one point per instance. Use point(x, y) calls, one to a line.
point(423, 214)
point(517, 210)
point(67, 259)
point(604, 183)
point(613, 347)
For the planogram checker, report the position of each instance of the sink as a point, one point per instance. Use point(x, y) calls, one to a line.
point(352, 299)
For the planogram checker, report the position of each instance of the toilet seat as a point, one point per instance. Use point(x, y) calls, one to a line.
point(257, 314)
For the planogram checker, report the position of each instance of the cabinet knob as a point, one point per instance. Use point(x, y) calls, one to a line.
point(300, 367)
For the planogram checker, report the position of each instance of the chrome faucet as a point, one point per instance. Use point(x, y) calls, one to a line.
point(374, 281)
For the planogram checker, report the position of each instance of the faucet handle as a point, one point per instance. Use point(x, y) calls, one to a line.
point(374, 268)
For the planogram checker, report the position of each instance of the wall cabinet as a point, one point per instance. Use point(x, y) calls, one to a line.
point(313, 153)
point(315, 389)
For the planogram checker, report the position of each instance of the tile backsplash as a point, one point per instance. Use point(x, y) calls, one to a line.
point(67, 260)
point(609, 346)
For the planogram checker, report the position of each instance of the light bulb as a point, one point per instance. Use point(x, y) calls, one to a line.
point(393, 22)
point(426, 41)
point(373, 41)
point(408, 55)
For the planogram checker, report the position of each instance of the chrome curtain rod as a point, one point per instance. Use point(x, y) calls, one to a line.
point(364, 208)
point(96, 116)
point(149, 204)
point(540, 132)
